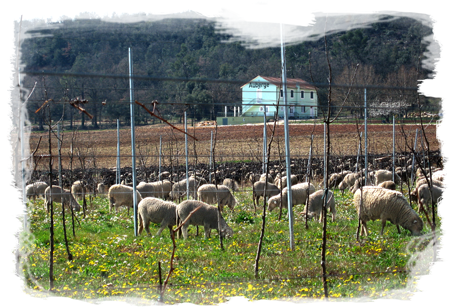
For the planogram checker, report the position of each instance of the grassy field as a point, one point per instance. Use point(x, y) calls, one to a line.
point(109, 261)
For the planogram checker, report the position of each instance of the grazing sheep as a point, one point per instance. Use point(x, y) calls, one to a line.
point(423, 180)
point(262, 178)
point(102, 189)
point(222, 195)
point(146, 189)
point(385, 175)
point(158, 189)
point(35, 190)
point(385, 204)
point(316, 202)
point(78, 189)
point(122, 195)
point(179, 188)
point(298, 196)
point(158, 211)
point(56, 194)
point(282, 182)
point(425, 198)
point(206, 216)
point(388, 185)
point(258, 191)
point(348, 181)
point(335, 179)
point(438, 175)
point(231, 184)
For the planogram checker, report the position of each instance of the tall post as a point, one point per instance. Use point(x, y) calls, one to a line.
point(264, 166)
point(22, 150)
point(393, 148)
point(324, 155)
point(286, 143)
point(365, 136)
point(414, 158)
point(59, 155)
point(118, 155)
point(133, 156)
point(210, 157)
point(160, 154)
point(187, 158)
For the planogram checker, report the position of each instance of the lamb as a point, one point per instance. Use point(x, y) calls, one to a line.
point(423, 180)
point(298, 196)
point(35, 190)
point(222, 195)
point(122, 195)
point(158, 211)
point(336, 178)
point(206, 216)
point(158, 189)
point(385, 175)
point(424, 196)
point(385, 204)
point(258, 191)
point(316, 202)
point(231, 184)
point(263, 176)
point(58, 194)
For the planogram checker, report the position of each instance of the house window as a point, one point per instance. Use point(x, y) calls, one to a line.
point(302, 94)
point(303, 109)
point(261, 108)
point(292, 93)
point(312, 94)
point(281, 93)
point(291, 109)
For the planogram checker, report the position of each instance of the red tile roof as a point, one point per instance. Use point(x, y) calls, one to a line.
point(290, 82)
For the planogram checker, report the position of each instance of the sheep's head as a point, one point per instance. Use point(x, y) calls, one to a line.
point(227, 231)
point(273, 203)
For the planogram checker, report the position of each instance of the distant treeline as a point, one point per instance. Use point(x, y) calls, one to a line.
point(171, 52)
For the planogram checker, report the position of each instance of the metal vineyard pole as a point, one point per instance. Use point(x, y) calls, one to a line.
point(133, 157)
point(414, 158)
point(264, 167)
point(393, 148)
point(160, 154)
point(210, 157)
point(286, 142)
point(187, 158)
point(118, 155)
point(365, 136)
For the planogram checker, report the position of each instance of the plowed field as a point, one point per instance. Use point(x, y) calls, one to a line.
point(233, 143)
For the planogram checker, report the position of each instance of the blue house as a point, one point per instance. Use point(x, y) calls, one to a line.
point(265, 92)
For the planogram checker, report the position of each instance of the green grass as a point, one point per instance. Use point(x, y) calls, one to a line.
point(108, 260)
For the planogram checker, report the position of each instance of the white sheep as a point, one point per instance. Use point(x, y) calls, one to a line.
point(57, 194)
point(385, 204)
point(35, 190)
point(179, 188)
point(221, 195)
point(102, 189)
point(122, 195)
point(299, 195)
point(206, 216)
point(348, 181)
point(388, 185)
point(78, 189)
point(424, 197)
point(231, 184)
point(281, 182)
point(158, 211)
point(316, 203)
point(258, 191)
point(385, 175)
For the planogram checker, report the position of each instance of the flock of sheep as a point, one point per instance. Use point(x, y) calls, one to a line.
point(378, 200)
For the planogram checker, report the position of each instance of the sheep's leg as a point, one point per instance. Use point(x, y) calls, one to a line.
point(184, 230)
point(398, 229)
point(164, 224)
point(207, 231)
point(383, 224)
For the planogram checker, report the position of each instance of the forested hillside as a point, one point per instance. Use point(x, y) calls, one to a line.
point(180, 61)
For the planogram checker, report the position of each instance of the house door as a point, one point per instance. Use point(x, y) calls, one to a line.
point(258, 96)
point(311, 112)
